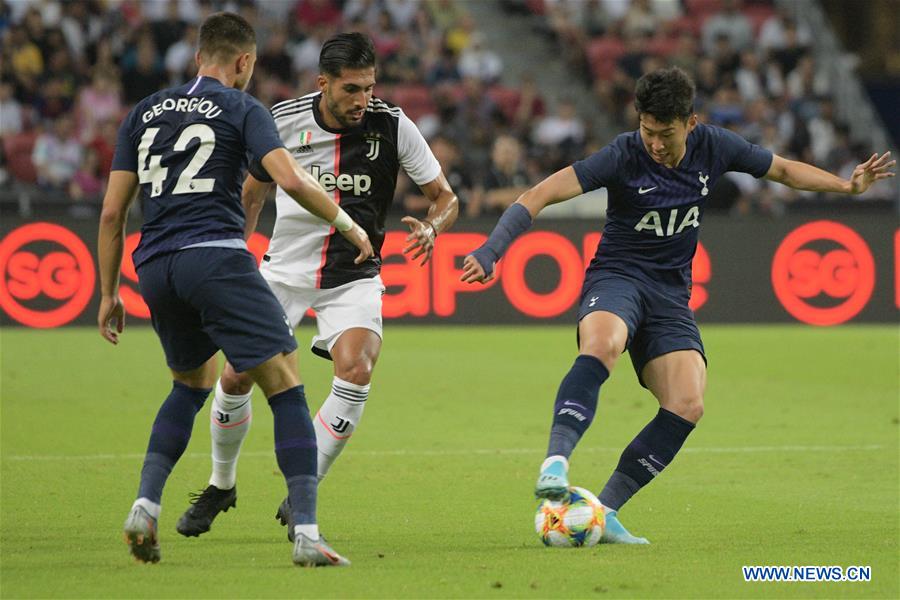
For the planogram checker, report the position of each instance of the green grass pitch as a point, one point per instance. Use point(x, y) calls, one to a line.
point(795, 463)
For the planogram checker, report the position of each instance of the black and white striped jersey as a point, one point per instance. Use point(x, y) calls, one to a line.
point(359, 167)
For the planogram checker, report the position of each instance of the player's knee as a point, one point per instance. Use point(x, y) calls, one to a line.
point(234, 383)
point(605, 350)
point(689, 407)
point(358, 372)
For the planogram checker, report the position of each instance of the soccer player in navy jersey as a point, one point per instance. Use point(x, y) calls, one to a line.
point(636, 288)
point(184, 151)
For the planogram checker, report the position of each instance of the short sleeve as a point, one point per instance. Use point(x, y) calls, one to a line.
point(415, 156)
point(260, 133)
point(600, 169)
point(740, 155)
point(125, 155)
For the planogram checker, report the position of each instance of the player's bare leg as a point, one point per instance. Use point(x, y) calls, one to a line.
point(602, 338)
point(678, 381)
point(230, 420)
point(354, 354)
point(168, 440)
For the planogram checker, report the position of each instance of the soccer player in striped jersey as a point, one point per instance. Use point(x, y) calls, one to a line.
point(354, 144)
point(636, 289)
point(183, 150)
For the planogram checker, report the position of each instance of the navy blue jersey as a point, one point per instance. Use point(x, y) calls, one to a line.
point(189, 147)
point(654, 212)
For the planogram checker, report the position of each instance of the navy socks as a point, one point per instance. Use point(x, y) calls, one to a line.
point(645, 457)
point(295, 449)
point(576, 403)
point(169, 438)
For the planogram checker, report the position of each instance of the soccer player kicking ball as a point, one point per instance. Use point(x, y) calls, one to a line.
point(636, 288)
point(183, 149)
point(354, 144)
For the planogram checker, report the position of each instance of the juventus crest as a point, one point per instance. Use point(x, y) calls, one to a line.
point(374, 143)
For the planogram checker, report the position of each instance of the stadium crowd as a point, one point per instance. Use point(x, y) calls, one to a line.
point(71, 70)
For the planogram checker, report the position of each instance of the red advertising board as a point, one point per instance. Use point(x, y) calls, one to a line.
point(820, 272)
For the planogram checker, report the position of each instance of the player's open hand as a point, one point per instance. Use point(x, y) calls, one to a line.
point(867, 173)
point(421, 237)
point(473, 271)
point(111, 318)
point(357, 236)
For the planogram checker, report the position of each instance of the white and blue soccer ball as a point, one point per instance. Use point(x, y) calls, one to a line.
point(574, 521)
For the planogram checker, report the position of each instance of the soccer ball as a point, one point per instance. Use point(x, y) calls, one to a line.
point(576, 521)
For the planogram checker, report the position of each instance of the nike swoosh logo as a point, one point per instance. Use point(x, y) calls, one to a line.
point(653, 458)
point(641, 190)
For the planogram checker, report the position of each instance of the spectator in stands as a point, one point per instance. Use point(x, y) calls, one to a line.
point(104, 144)
point(168, 30)
point(443, 69)
point(731, 22)
point(52, 101)
point(12, 116)
point(99, 102)
point(447, 154)
point(86, 187)
point(787, 55)
point(274, 60)
point(479, 62)
point(749, 78)
point(57, 154)
point(640, 19)
point(403, 64)
point(24, 55)
point(822, 131)
point(687, 53)
point(179, 60)
point(564, 128)
point(147, 76)
point(505, 180)
point(773, 35)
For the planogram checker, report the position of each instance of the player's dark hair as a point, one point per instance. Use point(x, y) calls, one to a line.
point(665, 94)
point(224, 35)
point(346, 51)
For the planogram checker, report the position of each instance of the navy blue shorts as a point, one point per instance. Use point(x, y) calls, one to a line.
point(205, 299)
point(658, 317)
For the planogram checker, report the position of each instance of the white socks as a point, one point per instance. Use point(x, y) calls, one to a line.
point(152, 508)
point(337, 419)
point(311, 531)
point(230, 419)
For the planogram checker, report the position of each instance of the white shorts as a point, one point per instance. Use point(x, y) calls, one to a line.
point(354, 304)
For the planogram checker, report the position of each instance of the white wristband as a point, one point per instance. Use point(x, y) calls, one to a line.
point(342, 222)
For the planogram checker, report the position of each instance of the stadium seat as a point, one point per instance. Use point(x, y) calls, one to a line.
point(602, 54)
point(507, 99)
point(663, 46)
point(414, 99)
point(18, 148)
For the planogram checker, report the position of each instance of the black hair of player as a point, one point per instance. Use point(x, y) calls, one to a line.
point(665, 94)
point(346, 51)
point(223, 35)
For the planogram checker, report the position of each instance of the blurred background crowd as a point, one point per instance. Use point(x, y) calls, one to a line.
point(71, 70)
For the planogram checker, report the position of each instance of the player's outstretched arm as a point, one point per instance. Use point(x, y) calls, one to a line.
point(441, 215)
point(559, 187)
point(306, 191)
point(110, 247)
point(253, 197)
point(803, 176)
